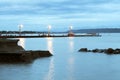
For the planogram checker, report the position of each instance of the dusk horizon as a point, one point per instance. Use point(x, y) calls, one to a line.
point(59, 39)
point(60, 15)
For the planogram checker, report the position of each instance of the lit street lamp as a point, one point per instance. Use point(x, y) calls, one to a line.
point(20, 29)
point(49, 28)
point(70, 31)
point(70, 28)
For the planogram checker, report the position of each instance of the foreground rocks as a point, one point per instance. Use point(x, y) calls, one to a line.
point(23, 56)
point(11, 52)
point(107, 51)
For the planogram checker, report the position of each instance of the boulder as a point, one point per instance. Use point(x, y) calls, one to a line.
point(83, 50)
point(117, 51)
point(95, 50)
point(11, 52)
point(109, 51)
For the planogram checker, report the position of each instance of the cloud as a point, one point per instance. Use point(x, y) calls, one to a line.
point(59, 11)
point(55, 7)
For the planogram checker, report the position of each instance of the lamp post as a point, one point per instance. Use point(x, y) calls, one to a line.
point(49, 28)
point(70, 31)
point(70, 28)
point(20, 29)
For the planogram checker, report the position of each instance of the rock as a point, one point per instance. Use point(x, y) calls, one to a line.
point(10, 45)
point(95, 50)
point(83, 50)
point(11, 52)
point(117, 51)
point(109, 51)
point(102, 50)
point(89, 51)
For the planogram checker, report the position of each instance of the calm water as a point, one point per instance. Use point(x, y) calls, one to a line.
point(67, 63)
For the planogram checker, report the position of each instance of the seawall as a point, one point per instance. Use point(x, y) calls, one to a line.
point(23, 56)
point(11, 52)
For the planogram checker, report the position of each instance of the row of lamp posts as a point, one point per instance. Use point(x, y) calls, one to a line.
point(49, 28)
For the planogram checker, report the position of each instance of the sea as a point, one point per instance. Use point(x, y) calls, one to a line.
point(67, 63)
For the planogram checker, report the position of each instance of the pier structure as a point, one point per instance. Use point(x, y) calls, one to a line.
point(35, 34)
point(39, 34)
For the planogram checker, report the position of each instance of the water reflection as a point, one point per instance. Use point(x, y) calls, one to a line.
point(50, 75)
point(50, 44)
point(71, 44)
point(71, 68)
point(22, 42)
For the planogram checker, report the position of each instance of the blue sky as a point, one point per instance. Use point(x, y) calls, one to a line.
point(60, 14)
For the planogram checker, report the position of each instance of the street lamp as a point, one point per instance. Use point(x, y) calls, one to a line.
point(20, 29)
point(49, 28)
point(70, 31)
point(70, 28)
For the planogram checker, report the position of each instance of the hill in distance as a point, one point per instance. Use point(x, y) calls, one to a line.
point(99, 30)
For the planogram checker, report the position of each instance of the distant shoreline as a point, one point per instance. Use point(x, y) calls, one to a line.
point(42, 36)
point(93, 30)
point(98, 30)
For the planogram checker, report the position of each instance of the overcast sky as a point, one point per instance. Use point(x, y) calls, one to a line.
point(60, 14)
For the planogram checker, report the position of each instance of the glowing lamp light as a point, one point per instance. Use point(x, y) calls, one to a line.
point(71, 27)
point(20, 28)
point(49, 27)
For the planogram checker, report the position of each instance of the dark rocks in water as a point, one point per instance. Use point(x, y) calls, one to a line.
point(95, 50)
point(83, 50)
point(107, 51)
point(117, 51)
point(28, 56)
point(23, 56)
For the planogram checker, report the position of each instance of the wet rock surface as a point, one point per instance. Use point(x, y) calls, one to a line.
point(11, 52)
point(23, 56)
point(107, 51)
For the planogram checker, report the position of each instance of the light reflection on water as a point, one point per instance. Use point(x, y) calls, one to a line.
point(71, 68)
point(22, 42)
point(50, 44)
point(66, 63)
point(51, 73)
point(71, 44)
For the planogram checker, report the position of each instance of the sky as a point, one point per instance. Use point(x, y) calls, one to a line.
point(60, 14)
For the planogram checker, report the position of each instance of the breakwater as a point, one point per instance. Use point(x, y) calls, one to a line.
point(13, 53)
point(23, 56)
point(46, 35)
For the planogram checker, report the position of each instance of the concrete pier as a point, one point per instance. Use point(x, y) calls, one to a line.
point(10, 52)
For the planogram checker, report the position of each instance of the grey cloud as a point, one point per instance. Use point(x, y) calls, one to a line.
point(66, 7)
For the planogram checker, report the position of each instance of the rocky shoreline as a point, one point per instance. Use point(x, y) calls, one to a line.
point(106, 51)
point(23, 56)
point(11, 52)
